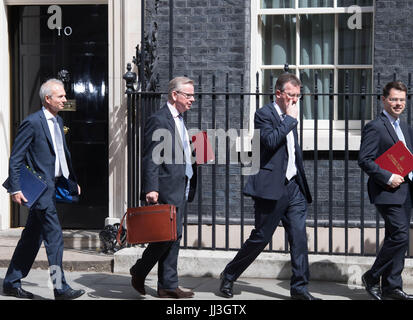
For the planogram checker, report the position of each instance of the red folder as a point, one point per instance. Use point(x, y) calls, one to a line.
point(203, 148)
point(397, 159)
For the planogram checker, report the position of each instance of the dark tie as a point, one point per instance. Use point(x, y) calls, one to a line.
point(291, 168)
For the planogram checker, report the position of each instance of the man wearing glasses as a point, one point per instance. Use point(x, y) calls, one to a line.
point(168, 178)
point(390, 193)
point(279, 190)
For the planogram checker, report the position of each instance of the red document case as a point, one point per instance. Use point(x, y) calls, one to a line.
point(397, 159)
point(203, 148)
point(148, 224)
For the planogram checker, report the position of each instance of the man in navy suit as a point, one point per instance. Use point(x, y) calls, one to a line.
point(40, 144)
point(279, 190)
point(168, 178)
point(391, 194)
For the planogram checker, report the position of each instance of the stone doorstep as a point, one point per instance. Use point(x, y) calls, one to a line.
point(73, 239)
point(81, 253)
point(88, 266)
point(201, 263)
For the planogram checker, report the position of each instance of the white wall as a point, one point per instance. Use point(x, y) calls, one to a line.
point(4, 117)
point(124, 35)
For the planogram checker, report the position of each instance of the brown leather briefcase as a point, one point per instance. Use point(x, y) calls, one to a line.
point(153, 223)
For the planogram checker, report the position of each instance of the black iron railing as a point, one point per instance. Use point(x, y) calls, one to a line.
point(340, 221)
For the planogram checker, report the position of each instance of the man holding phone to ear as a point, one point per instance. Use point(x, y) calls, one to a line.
point(279, 190)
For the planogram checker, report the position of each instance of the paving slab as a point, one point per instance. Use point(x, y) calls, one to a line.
point(109, 286)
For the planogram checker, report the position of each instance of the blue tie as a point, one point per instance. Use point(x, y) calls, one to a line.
point(187, 151)
point(401, 137)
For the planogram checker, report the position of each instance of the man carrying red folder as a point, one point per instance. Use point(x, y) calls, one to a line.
point(390, 192)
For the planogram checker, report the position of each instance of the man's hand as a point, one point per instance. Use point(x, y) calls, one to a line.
point(18, 198)
point(396, 181)
point(152, 197)
point(292, 109)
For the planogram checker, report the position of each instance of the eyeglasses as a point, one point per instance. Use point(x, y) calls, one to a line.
point(186, 95)
point(291, 96)
point(402, 100)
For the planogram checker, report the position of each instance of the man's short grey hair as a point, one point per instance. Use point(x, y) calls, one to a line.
point(47, 87)
point(176, 84)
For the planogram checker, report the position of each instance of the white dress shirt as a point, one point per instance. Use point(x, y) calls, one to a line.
point(178, 124)
point(291, 167)
point(49, 118)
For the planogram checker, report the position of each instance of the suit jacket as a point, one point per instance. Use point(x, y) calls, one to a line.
point(163, 160)
point(33, 146)
point(377, 136)
point(269, 182)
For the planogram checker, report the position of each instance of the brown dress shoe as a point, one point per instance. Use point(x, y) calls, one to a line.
point(176, 294)
point(138, 283)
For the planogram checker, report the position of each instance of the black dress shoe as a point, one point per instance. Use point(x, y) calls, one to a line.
point(396, 294)
point(303, 296)
point(138, 283)
point(226, 287)
point(18, 293)
point(69, 294)
point(372, 289)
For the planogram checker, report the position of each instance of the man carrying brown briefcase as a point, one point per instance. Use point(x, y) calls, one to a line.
point(168, 178)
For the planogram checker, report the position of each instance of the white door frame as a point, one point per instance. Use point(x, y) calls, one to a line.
point(123, 36)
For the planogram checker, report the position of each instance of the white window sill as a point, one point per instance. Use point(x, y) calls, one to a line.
point(323, 140)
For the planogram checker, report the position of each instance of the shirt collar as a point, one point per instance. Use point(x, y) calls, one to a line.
point(47, 114)
point(390, 117)
point(173, 110)
point(278, 109)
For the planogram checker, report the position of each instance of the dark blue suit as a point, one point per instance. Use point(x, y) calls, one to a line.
point(276, 199)
point(167, 177)
point(394, 204)
point(34, 147)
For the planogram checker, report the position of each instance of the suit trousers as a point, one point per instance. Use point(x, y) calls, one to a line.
point(291, 209)
point(42, 225)
point(165, 254)
point(389, 262)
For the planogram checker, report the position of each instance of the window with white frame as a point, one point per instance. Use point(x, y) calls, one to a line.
point(327, 37)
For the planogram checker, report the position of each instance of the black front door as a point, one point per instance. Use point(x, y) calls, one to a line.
point(75, 48)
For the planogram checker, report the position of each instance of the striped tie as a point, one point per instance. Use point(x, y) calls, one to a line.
point(187, 151)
